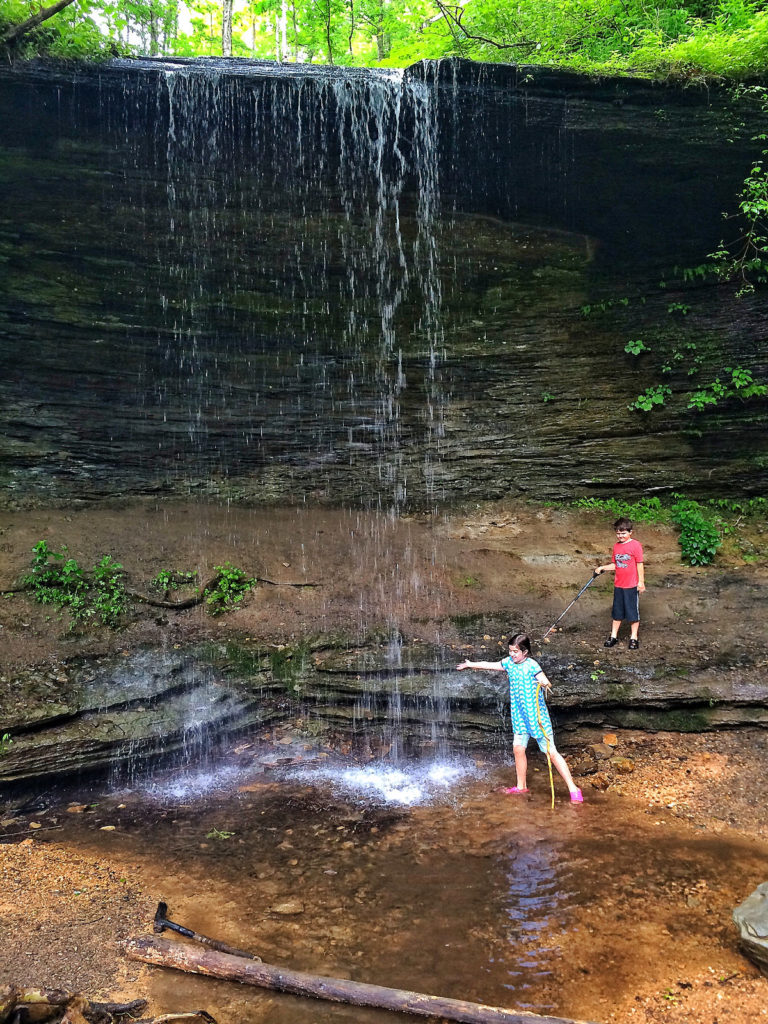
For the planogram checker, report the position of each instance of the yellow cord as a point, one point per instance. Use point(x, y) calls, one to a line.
point(549, 759)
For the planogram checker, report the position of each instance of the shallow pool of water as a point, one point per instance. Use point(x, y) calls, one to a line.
point(471, 894)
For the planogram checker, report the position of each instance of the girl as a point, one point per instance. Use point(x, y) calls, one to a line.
point(528, 708)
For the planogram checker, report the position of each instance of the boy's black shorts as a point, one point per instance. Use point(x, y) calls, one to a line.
point(625, 604)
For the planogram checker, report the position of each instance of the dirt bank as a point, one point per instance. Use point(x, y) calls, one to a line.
point(422, 575)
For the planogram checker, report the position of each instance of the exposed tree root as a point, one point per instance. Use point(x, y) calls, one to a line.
point(53, 1006)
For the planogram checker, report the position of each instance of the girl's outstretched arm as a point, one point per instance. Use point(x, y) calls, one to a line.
point(488, 666)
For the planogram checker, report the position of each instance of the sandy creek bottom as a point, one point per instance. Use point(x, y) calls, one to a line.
point(471, 894)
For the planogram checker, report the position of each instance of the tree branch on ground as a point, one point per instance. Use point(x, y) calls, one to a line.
point(17, 31)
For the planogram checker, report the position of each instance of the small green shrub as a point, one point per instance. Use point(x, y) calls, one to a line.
point(217, 833)
point(173, 579)
point(5, 744)
point(108, 598)
point(231, 586)
point(58, 580)
point(741, 385)
point(699, 535)
point(646, 510)
point(655, 395)
point(634, 348)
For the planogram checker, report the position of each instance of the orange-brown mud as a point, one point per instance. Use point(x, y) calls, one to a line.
point(636, 886)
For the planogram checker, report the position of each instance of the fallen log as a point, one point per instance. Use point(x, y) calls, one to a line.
point(162, 953)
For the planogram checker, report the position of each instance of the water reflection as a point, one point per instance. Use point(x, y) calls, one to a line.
point(532, 899)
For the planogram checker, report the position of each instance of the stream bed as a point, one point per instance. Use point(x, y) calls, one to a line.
point(459, 890)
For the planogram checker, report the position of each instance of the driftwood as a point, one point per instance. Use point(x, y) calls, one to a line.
point(163, 953)
point(202, 594)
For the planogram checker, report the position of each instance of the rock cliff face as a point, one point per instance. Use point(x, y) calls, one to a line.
point(120, 717)
point(279, 284)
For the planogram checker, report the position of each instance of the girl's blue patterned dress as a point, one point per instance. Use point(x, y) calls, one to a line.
point(522, 699)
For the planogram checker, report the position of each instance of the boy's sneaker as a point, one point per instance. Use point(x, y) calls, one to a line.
point(611, 641)
point(634, 644)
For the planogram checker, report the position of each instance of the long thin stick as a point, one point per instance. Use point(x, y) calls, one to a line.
point(231, 968)
point(589, 582)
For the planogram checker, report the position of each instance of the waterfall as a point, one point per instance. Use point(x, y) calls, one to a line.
point(296, 273)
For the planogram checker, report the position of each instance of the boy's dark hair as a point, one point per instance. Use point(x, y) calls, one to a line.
point(522, 641)
point(624, 524)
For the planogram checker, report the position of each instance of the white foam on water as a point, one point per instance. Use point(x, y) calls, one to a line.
point(407, 785)
point(190, 784)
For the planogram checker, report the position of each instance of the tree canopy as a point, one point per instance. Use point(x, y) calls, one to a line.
point(687, 38)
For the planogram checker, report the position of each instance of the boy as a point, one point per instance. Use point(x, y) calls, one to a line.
point(628, 583)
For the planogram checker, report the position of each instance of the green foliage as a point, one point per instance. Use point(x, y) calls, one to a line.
point(78, 32)
point(602, 307)
point(229, 589)
point(58, 580)
point(702, 526)
point(685, 38)
point(646, 510)
point(655, 395)
point(108, 600)
point(742, 507)
point(699, 531)
point(5, 743)
point(55, 579)
point(699, 535)
point(634, 348)
point(746, 258)
point(741, 385)
point(216, 833)
point(173, 579)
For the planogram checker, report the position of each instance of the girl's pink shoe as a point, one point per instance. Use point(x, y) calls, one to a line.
point(515, 791)
point(577, 797)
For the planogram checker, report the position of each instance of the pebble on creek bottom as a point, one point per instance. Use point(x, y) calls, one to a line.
point(286, 908)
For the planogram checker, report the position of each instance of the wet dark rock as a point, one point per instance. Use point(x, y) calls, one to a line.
point(751, 918)
point(117, 715)
point(152, 347)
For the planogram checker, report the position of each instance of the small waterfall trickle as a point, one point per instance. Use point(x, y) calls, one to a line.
point(300, 275)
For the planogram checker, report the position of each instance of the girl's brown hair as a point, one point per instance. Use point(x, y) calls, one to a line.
point(521, 641)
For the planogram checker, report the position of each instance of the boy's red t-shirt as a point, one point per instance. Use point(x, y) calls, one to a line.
point(626, 557)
